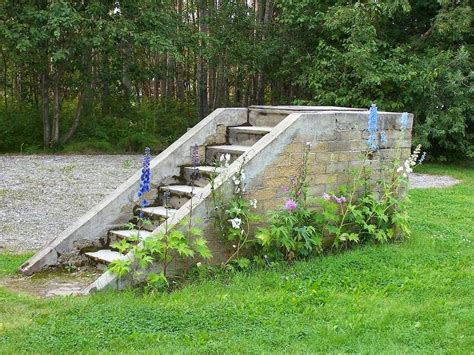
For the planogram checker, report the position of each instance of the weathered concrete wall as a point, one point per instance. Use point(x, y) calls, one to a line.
point(339, 143)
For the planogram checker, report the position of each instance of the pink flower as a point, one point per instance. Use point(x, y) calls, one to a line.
point(291, 205)
point(326, 196)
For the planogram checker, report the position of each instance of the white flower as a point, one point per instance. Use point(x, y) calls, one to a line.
point(253, 203)
point(400, 169)
point(236, 222)
point(198, 264)
point(309, 145)
point(235, 180)
point(234, 246)
point(225, 160)
point(242, 176)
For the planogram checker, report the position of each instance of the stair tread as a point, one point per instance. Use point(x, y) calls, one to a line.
point(105, 255)
point(251, 129)
point(182, 189)
point(158, 211)
point(234, 148)
point(127, 233)
point(206, 169)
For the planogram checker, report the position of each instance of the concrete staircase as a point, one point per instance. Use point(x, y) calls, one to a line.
point(267, 142)
point(239, 140)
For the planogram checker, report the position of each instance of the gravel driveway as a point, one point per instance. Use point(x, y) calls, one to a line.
point(40, 195)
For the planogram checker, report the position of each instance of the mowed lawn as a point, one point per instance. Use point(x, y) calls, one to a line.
point(416, 296)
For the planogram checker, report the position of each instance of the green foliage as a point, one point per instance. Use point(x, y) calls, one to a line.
point(159, 250)
point(290, 235)
point(165, 247)
point(291, 232)
point(406, 56)
point(234, 215)
point(132, 66)
point(120, 267)
point(20, 129)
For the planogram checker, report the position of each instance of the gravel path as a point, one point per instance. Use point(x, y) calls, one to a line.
point(425, 181)
point(41, 195)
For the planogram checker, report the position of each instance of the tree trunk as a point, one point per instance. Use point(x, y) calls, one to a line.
point(57, 108)
point(77, 118)
point(203, 105)
point(45, 107)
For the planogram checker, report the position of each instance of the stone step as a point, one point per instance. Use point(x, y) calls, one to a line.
point(247, 135)
point(128, 233)
point(158, 211)
point(105, 256)
point(204, 169)
point(179, 194)
point(182, 190)
point(214, 152)
point(259, 130)
point(204, 174)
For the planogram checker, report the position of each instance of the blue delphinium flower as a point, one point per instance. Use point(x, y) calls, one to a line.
point(383, 137)
point(372, 128)
point(145, 176)
point(404, 121)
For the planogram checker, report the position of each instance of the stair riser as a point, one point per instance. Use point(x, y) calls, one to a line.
point(266, 118)
point(203, 178)
point(247, 139)
point(213, 155)
point(175, 201)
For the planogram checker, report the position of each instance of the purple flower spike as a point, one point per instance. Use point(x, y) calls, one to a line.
point(326, 196)
point(291, 205)
point(195, 155)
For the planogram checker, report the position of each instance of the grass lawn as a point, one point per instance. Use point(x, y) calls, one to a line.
point(417, 296)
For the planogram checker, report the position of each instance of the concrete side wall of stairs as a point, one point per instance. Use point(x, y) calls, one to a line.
point(116, 209)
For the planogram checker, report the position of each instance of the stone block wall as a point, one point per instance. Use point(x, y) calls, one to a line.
point(339, 145)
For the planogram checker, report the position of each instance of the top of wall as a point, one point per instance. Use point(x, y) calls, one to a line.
point(291, 109)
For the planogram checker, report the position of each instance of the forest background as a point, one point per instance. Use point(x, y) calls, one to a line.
point(93, 76)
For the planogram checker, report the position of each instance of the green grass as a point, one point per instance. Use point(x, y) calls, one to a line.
point(416, 296)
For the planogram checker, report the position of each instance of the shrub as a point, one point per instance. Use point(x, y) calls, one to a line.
point(291, 232)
